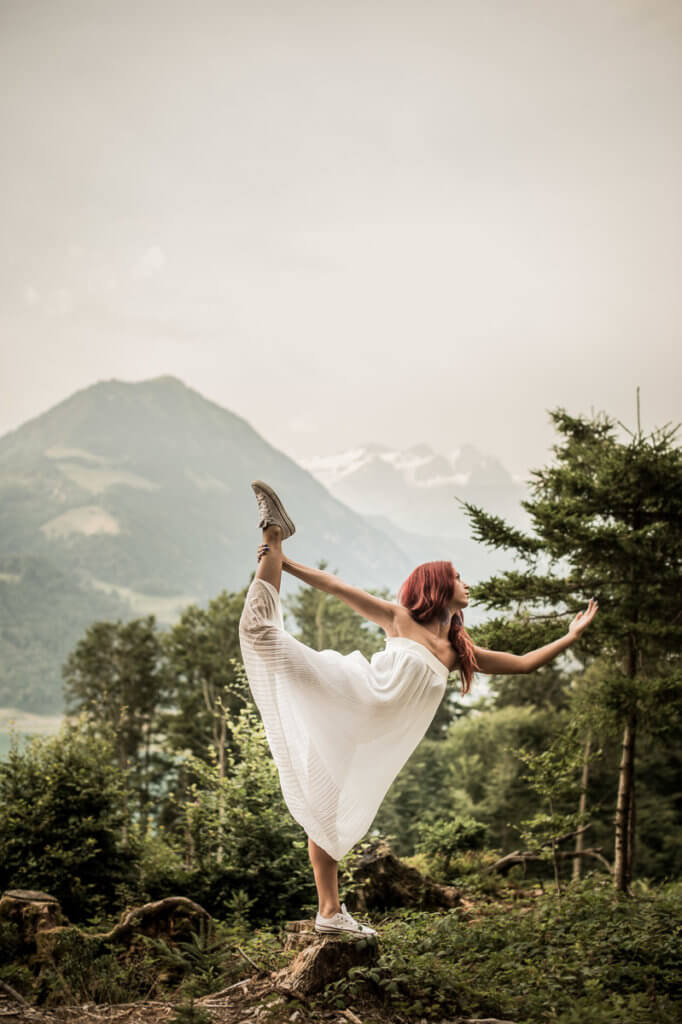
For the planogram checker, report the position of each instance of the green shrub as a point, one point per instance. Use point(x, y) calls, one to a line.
point(12, 970)
point(80, 969)
point(244, 836)
point(441, 840)
point(588, 956)
point(62, 815)
point(188, 1013)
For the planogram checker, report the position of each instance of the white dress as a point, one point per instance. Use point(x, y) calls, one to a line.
point(340, 727)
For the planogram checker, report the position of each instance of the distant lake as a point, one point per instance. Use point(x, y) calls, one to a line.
point(24, 724)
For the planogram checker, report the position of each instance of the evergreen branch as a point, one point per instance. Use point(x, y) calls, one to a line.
point(495, 532)
point(512, 585)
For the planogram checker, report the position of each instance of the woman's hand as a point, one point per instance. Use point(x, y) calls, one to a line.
point(582, 620)
point(263, 550)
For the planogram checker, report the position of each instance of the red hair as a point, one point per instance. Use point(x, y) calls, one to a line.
point(426, 593)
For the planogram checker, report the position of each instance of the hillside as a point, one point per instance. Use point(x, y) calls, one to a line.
point(134, 498)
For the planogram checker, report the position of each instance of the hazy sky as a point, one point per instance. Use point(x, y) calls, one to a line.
point(398, 222)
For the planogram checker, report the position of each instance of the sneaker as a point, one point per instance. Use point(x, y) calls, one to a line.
point(342, 922)
point(271, 509)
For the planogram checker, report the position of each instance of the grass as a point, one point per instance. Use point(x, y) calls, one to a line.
point(524, 956)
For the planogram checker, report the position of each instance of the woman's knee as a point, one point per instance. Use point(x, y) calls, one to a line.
point(259, 634)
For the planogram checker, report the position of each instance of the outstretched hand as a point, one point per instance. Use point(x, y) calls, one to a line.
point(583, 619)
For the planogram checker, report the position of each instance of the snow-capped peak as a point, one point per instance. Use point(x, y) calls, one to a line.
point(418, 465)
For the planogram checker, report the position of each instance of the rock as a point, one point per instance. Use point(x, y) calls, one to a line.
point(383, 881)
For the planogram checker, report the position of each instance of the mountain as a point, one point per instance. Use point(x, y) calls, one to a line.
point(417, 488)
point(132, 498)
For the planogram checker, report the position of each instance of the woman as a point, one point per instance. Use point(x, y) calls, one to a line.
point(341, 727)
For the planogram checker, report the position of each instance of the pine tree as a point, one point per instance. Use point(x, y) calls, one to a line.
point(204, 666)
point(116, 677)
point(607, 523)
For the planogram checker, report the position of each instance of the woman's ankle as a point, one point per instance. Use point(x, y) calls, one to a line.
point(329, 909)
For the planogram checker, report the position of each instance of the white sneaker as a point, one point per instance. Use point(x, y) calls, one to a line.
point(342, 922)
point(271, 509)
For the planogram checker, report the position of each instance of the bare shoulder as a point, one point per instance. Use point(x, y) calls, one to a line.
point(400, 617)
point(404, 625)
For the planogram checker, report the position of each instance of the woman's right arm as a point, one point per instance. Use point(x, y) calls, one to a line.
point(503, 664)
point(500, 663)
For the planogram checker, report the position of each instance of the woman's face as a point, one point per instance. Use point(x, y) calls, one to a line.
point(460, 598)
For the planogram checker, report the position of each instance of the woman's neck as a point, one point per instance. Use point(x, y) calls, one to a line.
point(439, 628)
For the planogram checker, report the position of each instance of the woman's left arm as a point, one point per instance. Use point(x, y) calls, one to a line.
point(501, 663)
point(370, 607)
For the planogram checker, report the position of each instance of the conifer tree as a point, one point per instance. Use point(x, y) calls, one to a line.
point(203, 665)
point(607, 523)
point(116, 677)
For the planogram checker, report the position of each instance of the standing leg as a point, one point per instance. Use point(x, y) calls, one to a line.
point(270, 562)
point(325, 869)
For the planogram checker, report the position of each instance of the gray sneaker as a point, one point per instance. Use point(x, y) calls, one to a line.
point(271, 509)
point(342, 922)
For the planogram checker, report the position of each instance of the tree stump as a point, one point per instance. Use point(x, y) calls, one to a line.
point(322, 959)
point(384, 882)
point(32, 912)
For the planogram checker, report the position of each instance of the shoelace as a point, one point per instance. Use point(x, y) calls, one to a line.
point(349, 916)
point(263, 508)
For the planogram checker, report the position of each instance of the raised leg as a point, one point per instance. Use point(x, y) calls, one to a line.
point(270, 562)
point(326, 872)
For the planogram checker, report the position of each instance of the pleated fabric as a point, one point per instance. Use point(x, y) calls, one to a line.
point(339, 727)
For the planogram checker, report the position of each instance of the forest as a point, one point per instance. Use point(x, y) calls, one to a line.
point(525, 865)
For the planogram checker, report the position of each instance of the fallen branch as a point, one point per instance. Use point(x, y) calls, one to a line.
point(224, 991)
point(13, 993)
point(140, 918)
point(351, 1016)
point(484, 1020)
point(504, 864)
point(261, 970)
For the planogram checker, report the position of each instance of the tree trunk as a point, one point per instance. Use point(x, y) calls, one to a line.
point(189, 839)
point(631, 821)
point(145, 787)
point(319, 622)
point(622, 854)
point(221, 791)
point(123, 765)
point(579, 839)
point(555, 862)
